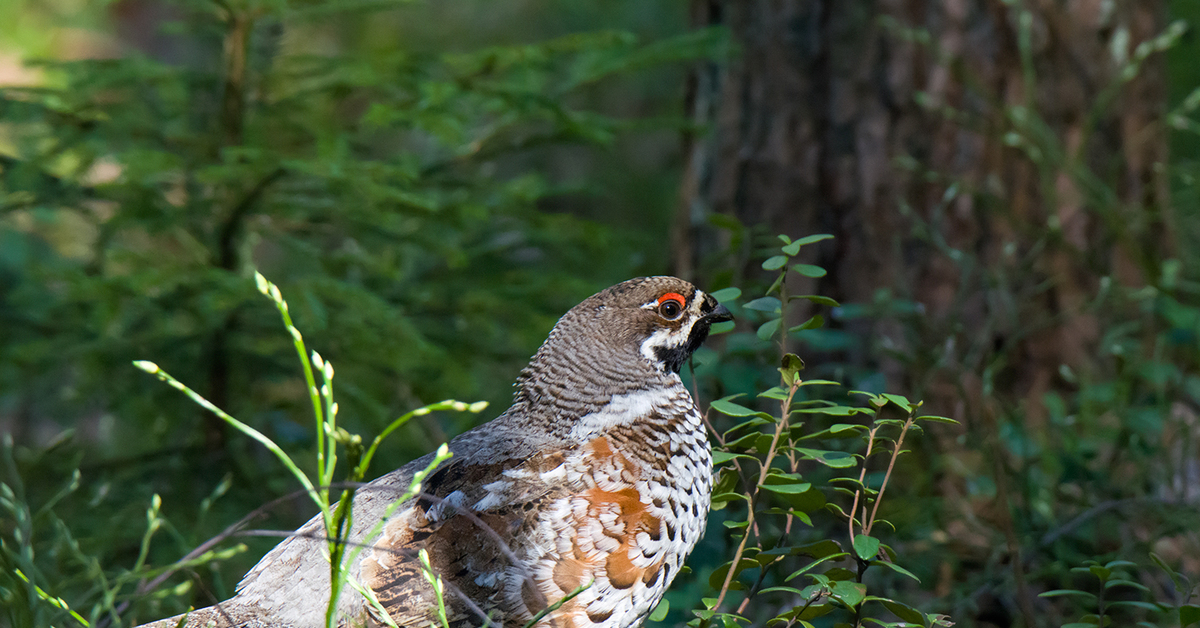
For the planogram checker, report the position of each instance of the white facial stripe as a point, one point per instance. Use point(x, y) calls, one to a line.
point(672, 338)
point(661, 338)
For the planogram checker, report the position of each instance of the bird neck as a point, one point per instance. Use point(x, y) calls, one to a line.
point(578, 408)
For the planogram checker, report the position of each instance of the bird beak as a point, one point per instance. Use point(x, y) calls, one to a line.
point(719, 314)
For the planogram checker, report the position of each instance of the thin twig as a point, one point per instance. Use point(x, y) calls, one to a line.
point(869, 523)
point(752, 496)
point(862, 476)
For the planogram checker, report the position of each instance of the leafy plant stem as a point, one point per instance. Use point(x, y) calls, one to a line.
point(870, 522)
point(751, 496)
point(155, 370)
point(862, 476)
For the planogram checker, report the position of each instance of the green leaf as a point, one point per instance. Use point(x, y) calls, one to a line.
point(721, 328)
point(819, 382)
point(1175, 576)
point(815, 298)
point(774, 392)
point(1121, 582)
point(835, 459)
point(812, 323)
point(894, 567)
point(937, 419)
point(789, 367)
point(660, 611)
point(840, 573)
point(809, 270)
point(792, 590)
point(725, 295)
point(837, 510)
point(777, 284)
point(717, 578)
point(813, 564)
point(729, 408)
point(854, 482)
point(743, 442)
point(721, 457)
point(1068, 593)
point(835, 410)
point(1103, 573)
point(819, 549)
point(799, 496)
point(1146, 606)
point(816, 237)
point(764, 304)
point(789, 489)
point(724, 498)
point(775, 262)
point(903, 611)
point(849, 593)
point(751, 423)
point(1188, 614)
point(791, 248)
point(899, 400)
point(866, 547)
point(768, 329)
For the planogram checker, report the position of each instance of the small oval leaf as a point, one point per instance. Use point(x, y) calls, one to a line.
point(729, 408)
point(768, 329)
point(809, 270)
point(660, 611)
point(775, 262)
point(866, 547)
point(724, 295)
point(764, 304)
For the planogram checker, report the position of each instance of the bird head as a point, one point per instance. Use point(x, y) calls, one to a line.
point(672, 318)
point(626, 336)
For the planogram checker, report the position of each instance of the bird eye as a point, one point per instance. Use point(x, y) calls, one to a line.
point(670, 306)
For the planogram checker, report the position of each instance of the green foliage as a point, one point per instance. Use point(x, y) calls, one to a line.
point(1113, 604)
point(417, 196)
point(1093, 458)
point(782, 482)
point(337, 514)
point(366, 182)
point(413, 185)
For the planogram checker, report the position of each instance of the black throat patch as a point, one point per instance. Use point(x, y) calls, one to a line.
point(672, 358)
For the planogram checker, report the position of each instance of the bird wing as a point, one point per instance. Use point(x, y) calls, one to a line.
point(474, 520)
point(511, 538)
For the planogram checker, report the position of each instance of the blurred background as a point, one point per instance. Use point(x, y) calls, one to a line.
point(1012, 187)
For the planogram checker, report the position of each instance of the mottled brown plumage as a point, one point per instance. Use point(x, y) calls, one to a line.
point(598, 476)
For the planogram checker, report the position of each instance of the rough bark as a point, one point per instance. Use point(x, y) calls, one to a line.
point(984, 160)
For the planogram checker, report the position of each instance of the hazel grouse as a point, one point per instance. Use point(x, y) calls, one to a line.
point(599, 475)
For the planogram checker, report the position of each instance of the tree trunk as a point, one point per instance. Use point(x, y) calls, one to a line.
point(986, 161)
